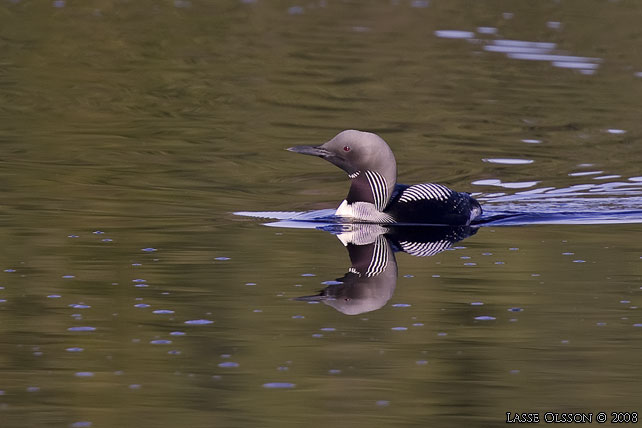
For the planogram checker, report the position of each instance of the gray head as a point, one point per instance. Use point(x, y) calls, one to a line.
point(356, 151)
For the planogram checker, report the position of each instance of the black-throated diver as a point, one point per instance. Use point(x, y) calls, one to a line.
point(375, 196)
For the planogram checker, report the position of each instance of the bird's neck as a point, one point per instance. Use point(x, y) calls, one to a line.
point(372, 187)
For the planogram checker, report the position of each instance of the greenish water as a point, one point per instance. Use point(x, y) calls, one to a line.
point(154, 121)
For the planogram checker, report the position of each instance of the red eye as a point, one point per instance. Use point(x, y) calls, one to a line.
point(346, 148)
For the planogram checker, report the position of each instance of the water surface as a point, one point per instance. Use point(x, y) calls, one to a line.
point(131, 295)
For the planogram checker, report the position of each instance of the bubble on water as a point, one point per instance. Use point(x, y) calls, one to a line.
point(421, 362)
point(143, 285)
point(84, 374)
point(79, 306)
point(160, 342)
point(382, 403)
point(74, 349)
point(84, 328)
point(470, 264)
point(436, 276)
point(73, 236)
point(279, 385)
point(554, 25)
point(408, 276)
point(298, 317)
point(33, 388)
point(600, 324)
point(579, 261)
point(107, 240)
point(177, 333)
point(80, 424)
point(616, 131)
point(485, 318)
point(250, 283)
point(515, 309)
point(163, 311)
point(135, 386)
point(139, 280)
point(476, 303)
point(399, 328)
point(198, 322)
point(174, 352)
point(442, 333)
point(98, 232)
point(514, 371)
point(229, 364)
point(637, 325)
point(142, 305)
point(401, 305)
point(329, 283)
point(149, 249)
point(68, 276)
point(499, 263)
point(328, 329)
point(257, 310)
point(136, 264)
point(222, 258)
point(531, 141)
point(9, 270)
point(418, 324)
point(308, 274)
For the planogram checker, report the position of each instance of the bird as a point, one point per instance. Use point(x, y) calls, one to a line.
point(375, 196)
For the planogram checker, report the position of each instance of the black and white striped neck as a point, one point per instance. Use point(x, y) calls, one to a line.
point(370, 187)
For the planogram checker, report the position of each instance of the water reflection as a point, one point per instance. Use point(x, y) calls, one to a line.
point(372, 277)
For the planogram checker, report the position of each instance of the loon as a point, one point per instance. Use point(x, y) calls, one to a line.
point(375, 196)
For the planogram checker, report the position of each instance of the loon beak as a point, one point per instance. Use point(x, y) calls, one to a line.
point(311, 150)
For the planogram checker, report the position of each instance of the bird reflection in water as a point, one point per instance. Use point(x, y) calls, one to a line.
point(371, 280)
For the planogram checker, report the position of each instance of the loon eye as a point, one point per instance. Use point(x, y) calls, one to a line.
point(346, 148)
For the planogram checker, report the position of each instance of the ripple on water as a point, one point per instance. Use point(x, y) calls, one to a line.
point(508, 161)
point(499, 183)
point(74, 349)
point(149, 249)
point(84, 374)
point(163, 311)
point(485, 318)
point(198, 322)
point(160, 342)
point(454, 34)
point(229, 364)
point(399, 328)
point(80, 424)
point(279, 385)
point(83, 328)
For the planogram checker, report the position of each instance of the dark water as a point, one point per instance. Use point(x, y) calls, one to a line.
point(132, 131)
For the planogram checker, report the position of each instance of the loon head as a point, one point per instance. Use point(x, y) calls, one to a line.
point(359, 154)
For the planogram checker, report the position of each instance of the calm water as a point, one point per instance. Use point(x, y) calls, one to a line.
point(132, 131)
